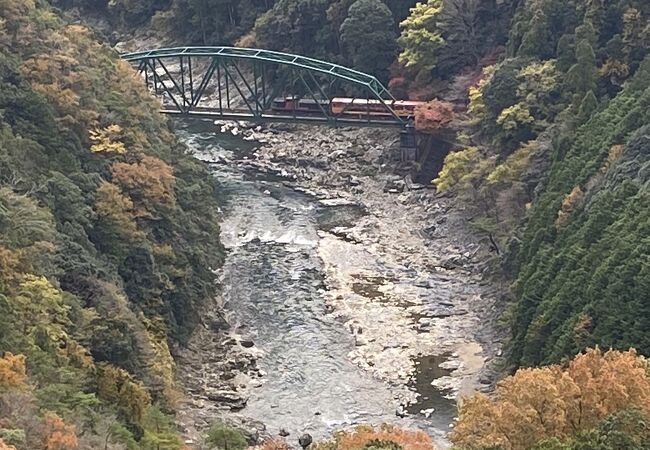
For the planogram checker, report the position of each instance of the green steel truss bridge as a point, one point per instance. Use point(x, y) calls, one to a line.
point(243, 84)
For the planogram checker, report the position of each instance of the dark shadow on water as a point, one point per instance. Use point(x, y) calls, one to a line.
point(428, 369)
point(211, 131)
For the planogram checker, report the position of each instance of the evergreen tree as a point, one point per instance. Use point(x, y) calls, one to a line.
point(296, 26)
point(565, 52)
point(582, 76)
point(537, 42)
point(368, 37)
point(588, 106)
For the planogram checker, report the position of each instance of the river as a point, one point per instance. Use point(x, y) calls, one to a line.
point(276, 298)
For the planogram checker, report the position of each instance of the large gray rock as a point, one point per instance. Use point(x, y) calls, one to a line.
point(232, 399)
point(305, 440)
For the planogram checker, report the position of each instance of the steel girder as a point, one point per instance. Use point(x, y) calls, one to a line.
point(224, 67)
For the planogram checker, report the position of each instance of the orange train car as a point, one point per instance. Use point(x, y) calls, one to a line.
point(364, 107)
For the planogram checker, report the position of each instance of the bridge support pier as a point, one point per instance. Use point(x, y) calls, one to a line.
point(408, 143)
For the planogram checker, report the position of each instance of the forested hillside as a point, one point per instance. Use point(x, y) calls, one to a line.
point(108, 238)
point(434, 39)
point(560, 143)
point(109, 235)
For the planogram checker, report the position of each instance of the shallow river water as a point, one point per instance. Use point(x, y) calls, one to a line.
point(275, 296)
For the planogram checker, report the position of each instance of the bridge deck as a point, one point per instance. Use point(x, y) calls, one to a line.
point(281, 118)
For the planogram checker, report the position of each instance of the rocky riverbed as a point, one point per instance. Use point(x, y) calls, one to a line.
point(393, 272)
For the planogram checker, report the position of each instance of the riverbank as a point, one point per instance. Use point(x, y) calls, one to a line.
point(400, 272)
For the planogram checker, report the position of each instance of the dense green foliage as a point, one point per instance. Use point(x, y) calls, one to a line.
point(560, 140)
point(440, 37)
point(108, 236)
point(583, 263)
point(357, 33)
point(211, 22)
point(223, 437)
point(584, 274)
point(369, 21)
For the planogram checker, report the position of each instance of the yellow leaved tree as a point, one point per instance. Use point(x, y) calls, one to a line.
point(40, 308)
point(554, 401)
point(118, 387)
point(116, 210)
point(107, 140)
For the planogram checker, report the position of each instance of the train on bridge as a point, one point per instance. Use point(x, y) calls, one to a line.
point(250, 84)
point(350, 107)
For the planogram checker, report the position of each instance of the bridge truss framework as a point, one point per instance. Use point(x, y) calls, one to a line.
point(241, 84)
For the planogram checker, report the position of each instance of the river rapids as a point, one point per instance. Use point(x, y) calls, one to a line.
point(320, 308)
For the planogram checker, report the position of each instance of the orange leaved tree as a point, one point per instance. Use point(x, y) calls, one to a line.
point(148, 182)
point(4, 446)
point(385, 436)
point(274, 443)
point(434, 116)
point(554, 401)
point(57, 435)
point(12, 372)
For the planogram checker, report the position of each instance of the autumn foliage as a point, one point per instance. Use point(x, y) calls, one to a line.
point(119, 388)
point(107, 140)
point(569, 204)
point(273, 444)
point(12, 372)
point(365, 436)
point(149, 182)
point(4, 446)
point(554, 401)
point(57, 435)
point(433, 116)
point(108, 241)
